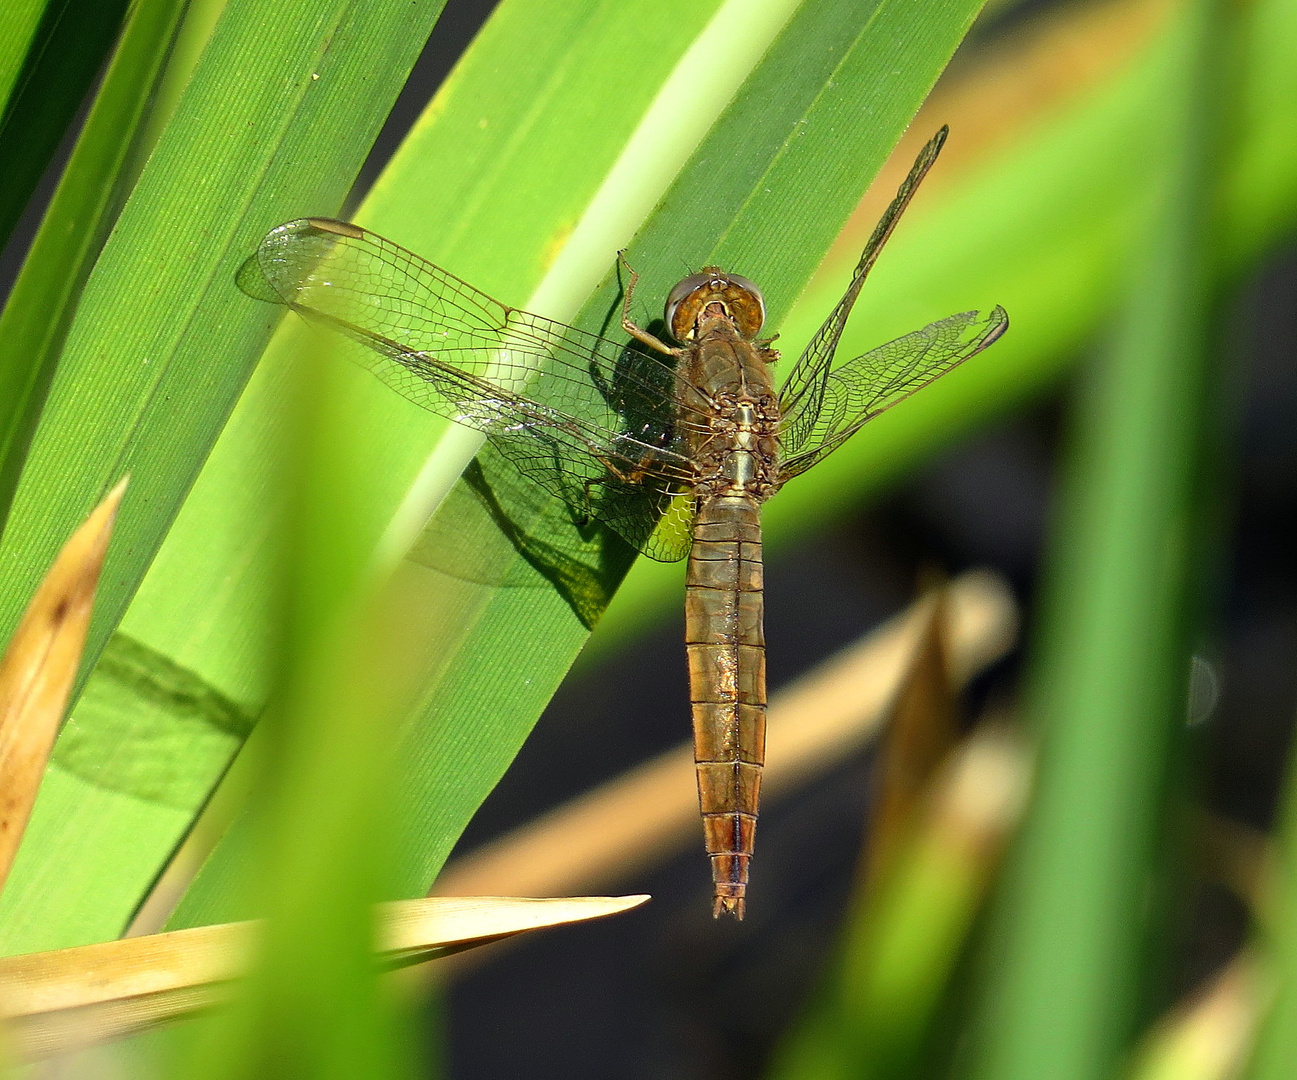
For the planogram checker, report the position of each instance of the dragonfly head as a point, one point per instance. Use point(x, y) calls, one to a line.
point(694, 298)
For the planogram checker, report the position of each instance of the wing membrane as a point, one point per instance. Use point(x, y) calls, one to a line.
point(804, 389)
point(567, 407)
point(856, 392)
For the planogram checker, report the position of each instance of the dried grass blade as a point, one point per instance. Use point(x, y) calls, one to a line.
point(922, 731)
point(417, 930)
point(39, 666)
point(70, 998)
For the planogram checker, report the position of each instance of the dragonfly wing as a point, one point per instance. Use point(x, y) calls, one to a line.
point(664, 533)
point(638, 512)
point(855, 392)
point(568, 408)
point(651, 520)
point(674, 534)
point(804, 389)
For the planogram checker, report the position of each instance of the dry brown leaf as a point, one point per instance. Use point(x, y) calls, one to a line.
point(69, 998)
point(39, 667)
point(633, 820)
point(922, 731)
point(977, 797)
point(455, 922)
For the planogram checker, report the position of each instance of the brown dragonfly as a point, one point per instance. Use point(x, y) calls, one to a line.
point(673, 445)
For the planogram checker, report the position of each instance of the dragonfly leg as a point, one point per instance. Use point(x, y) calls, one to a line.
point(635, 474)
point(629, 325)
point(589, 501)
point(631, 476)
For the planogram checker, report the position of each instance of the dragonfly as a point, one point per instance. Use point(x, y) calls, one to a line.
point(672, 444)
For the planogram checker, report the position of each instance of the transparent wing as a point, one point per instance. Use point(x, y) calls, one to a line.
point(570, 409)
point(804, 388)
point(673, 532)
point(651, 520)
point(856, 392)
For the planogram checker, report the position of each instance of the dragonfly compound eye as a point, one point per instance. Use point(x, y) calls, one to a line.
point(742, 300)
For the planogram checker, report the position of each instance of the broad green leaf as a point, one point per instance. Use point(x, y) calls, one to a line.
point(794, 152)
point(40, 306)
point(160, 349)
point(271, 124)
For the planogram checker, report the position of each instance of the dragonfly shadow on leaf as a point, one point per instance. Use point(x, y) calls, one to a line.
point(494, 513)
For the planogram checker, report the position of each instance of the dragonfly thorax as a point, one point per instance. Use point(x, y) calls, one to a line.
point(711, 294)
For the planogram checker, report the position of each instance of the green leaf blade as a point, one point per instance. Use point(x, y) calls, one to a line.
point(39, 309)
point(205, 605)
point(161, 344)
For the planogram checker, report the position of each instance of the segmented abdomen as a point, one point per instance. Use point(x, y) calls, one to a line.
point(727, 679)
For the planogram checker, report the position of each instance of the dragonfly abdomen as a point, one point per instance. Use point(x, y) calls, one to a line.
point(727, 679)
